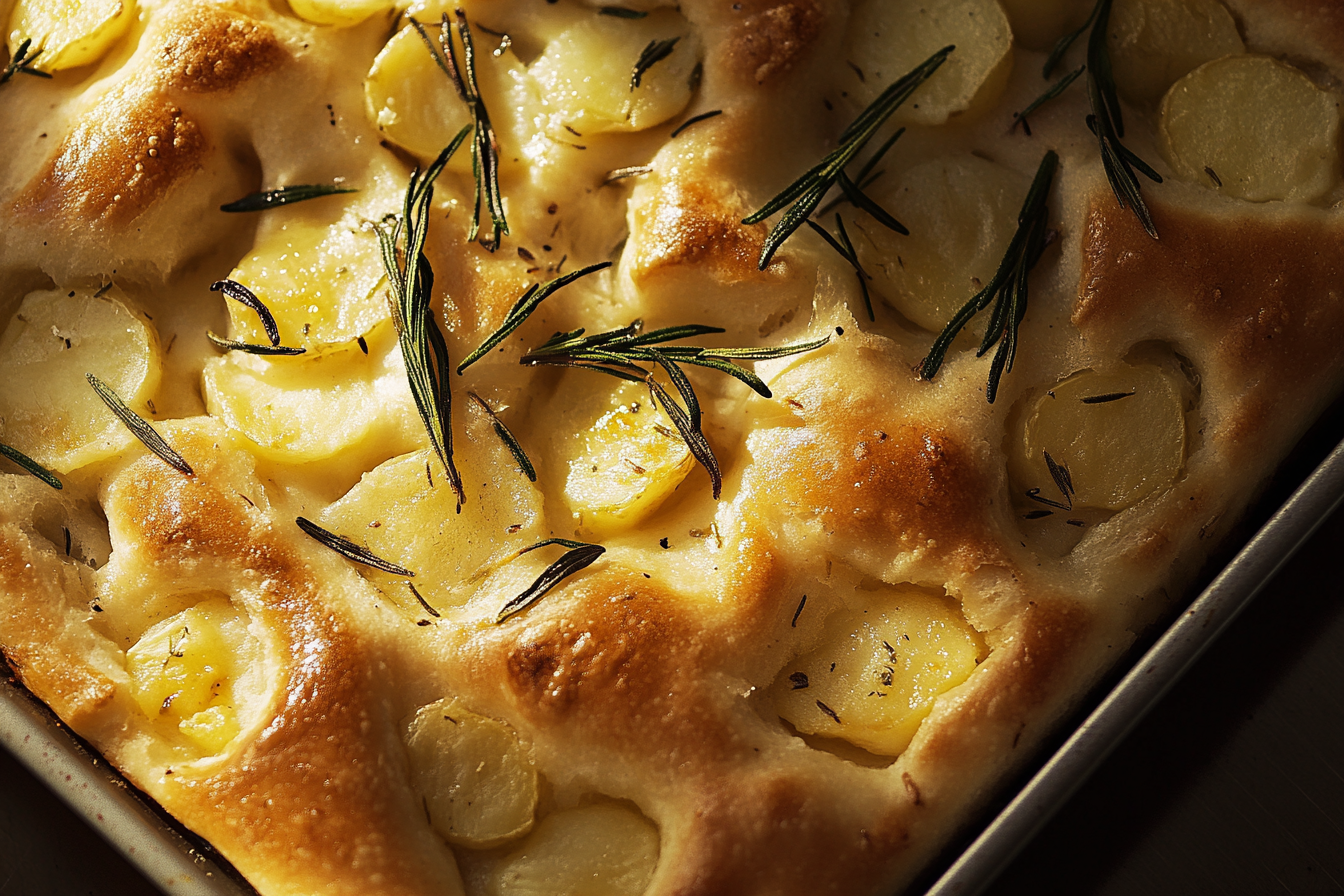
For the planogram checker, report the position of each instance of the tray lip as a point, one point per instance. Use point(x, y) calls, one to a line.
point(1147, 681)
point(133, 824)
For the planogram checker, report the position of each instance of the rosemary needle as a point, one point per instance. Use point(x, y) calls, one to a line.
point(268, 199)
point(139, 426)
point(579, 556)
point(349, 550)
point(244, 296)
point(22, 63)
point(507, 437)
point(655, 52)
point(31, 466)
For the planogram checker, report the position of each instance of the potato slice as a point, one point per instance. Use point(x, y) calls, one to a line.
point(627, 463)
point(47, 409)
point(888, 38)
point(599, 850)
point(320, 279)
point(183, 671)
point(1121, 435)
point(315, 406)
point(412, 101)
point(404, 512)
point(341, 13)
point(1253, 127)
point(586, 74)
point(961, 212)
point(478, 784)
point(1154, 43)
point(70, 33)
point(877, 671)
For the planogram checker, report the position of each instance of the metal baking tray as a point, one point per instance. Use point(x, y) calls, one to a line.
point(177, 862)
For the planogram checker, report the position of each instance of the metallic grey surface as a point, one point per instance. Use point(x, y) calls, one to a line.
point(1188, 637)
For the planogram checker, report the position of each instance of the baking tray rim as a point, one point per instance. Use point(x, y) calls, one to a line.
point(136, 827)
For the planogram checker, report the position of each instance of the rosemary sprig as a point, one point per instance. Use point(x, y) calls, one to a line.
point(139, 426)
point(1007, 289)
point(528, 302)
point(31, 466)
point(423, 348)
point(245, 297)
point(1054, 90)
point(507, 437)
point(262, 200)
point(484, 146)
point(251, 348)
point(349, 550)
point(1106, 120)
point(620, 353)
point(805, 194)
point(22, 63)
point(846, 250)
point(579, 556)
point(656, 51)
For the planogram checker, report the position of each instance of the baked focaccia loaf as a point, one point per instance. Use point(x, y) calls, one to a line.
point(381, 588)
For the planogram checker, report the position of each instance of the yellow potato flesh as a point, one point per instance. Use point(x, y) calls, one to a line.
point(961, 212)
point(1153, 43)
point(878, 670)
point(341, 13)
point(1254, 128)
point(597, 850)
point(1118, 451)
point(399, 514)
point(628, 463)
point(70, 33)
point(182, 672)
point(888, 38)
point(478, 785)
point(47, 409)
point(585, 74)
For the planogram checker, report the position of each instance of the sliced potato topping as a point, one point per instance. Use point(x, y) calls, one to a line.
point(412, 101)
point(628, 462)
point(877, 671)
point(341, 13)
point(478, 784)
point(47, 409)
point(1155, 42)
point(1253, 127)
point(70, 33)
point(405, 512)
point(316, 405)
point(888, 38)
point(586, 74)
point(599, 850)
point(961, 212)
point(1120, 434)
point(319, 279)
point(183, 669)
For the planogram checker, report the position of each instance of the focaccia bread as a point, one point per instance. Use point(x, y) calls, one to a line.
point(773, 609)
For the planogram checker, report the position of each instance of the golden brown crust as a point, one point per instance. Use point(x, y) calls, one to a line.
point(210, 50)
point(772, 38)
point(688, 224)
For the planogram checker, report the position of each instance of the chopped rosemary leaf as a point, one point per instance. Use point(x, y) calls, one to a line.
point(31, 466)
point(1106, 121)
point(655, 52)
point(507, 437)
point(1055, 90)
point(695, 119)
point(22, 63)
point(621, 12)
point(1007, 289)
point(528, 302)
point(349, 550)
point(262, 200)
point(244, 296)
point(620, 353)
point(251, 348)
point(830, 712)
point(411, 279)
point(805, 194)
point(484, 146)
point(846, 250)
point(423, 603)
point(139, 426)
point(1037, 514)
point(579, 556)
point(1109, 396)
